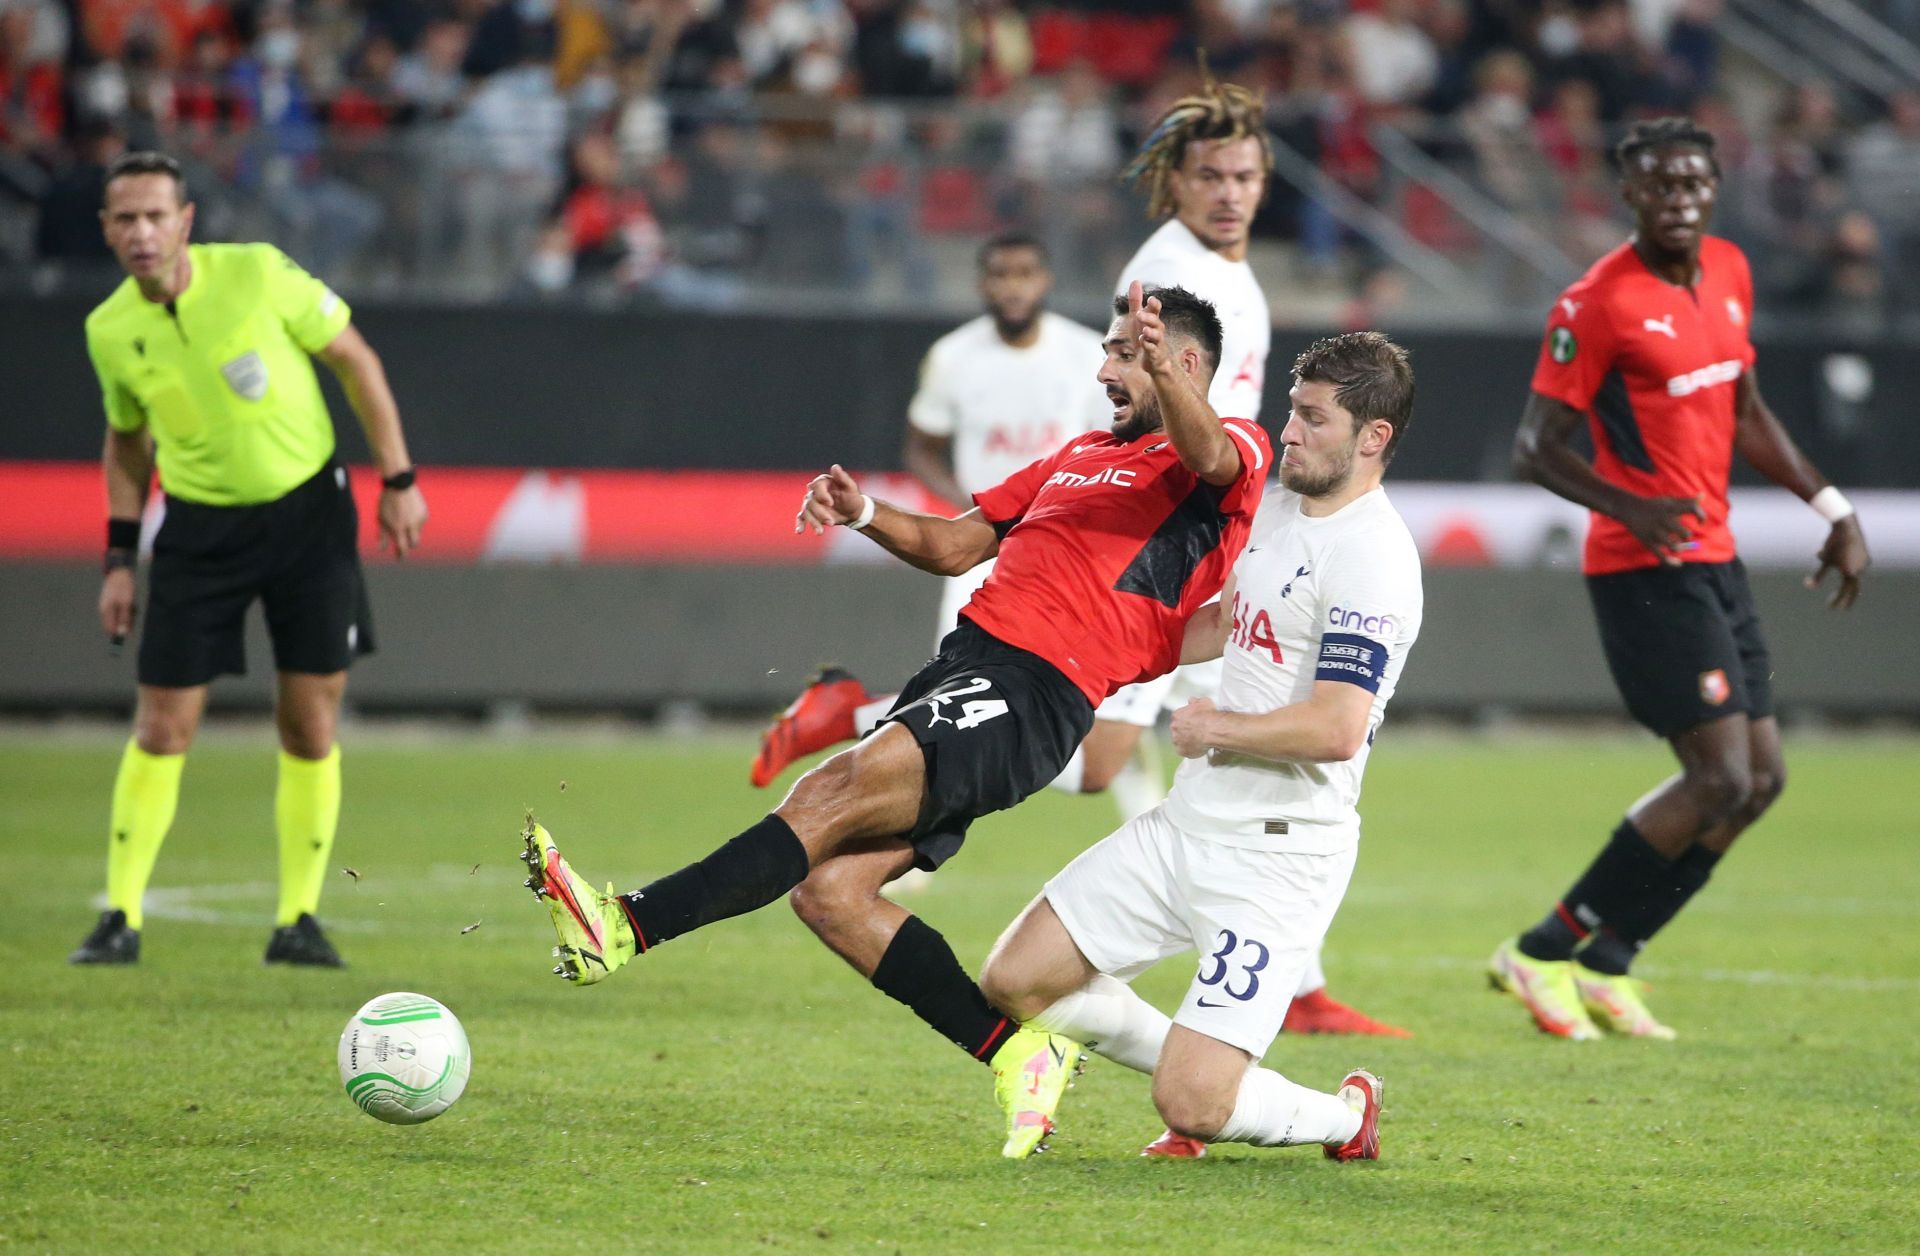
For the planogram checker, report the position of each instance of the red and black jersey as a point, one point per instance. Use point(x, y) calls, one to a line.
point(1656, 367)
point(1108, 548)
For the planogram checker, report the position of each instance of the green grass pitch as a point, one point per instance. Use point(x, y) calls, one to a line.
point(741, 1089)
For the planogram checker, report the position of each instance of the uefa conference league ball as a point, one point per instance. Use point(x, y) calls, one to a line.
point(404, 1058)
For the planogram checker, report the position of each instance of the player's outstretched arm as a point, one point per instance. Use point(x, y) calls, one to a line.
point(1190, 422)
point(1763, 441)
point(403, 511)
point(1542, 454)
point(1329, 727)
point(945, 547)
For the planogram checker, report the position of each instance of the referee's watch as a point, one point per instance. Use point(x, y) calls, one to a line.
point(399, 481)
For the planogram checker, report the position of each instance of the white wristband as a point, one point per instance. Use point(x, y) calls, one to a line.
point(1831, 504)
point(866, 514)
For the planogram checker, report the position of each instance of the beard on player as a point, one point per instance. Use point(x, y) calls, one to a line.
point(1321, 481)
point(1014, 316)
point(1139, 416)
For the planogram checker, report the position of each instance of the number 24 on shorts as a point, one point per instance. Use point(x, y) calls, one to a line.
point(1218, 968)
point(973, 711)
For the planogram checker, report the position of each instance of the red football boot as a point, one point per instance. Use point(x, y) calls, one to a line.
point(821, 716)
point(1365, 1143)
point(1316, 1013)
point(1172, 1146)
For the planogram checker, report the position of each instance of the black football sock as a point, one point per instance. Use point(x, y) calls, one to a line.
point(921, 971)
point(1623, 878)
point(747, 873)
point(1615, 947)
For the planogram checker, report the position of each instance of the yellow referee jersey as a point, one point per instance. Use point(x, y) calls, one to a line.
point(222, 376)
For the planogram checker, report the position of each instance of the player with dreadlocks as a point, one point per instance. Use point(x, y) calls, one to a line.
point(1650, 351)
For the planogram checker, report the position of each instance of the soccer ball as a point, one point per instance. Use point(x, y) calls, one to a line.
point(404, 1058)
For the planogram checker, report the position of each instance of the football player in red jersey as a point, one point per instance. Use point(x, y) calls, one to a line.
point(1651, 350)
point(1105, 549)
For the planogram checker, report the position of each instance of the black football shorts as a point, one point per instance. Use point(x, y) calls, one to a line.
point(995, 723)
point(1684, 644)
point(296, 555)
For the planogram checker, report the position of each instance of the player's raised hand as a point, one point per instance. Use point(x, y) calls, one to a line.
point(1845, 554)
point(1660, 524)
point(832, 499)
point(1149, 332)
point(1190, 727)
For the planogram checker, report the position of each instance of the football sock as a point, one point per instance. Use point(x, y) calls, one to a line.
point(1273, 1112)
point(306, 812)
point(1313, 977)
point(920, 970)
point(747, 873)
point(1138, 787)
point(1613, 950)
point(146, 791)
point(1621, 879)
point(1074, 775)
point(1106, 1016)
point(867, 716)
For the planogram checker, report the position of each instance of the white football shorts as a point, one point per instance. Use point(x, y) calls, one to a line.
point(1257, 918)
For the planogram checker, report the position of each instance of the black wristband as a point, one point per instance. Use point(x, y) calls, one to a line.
point(399, 480)
point(117, 560)
point(123, 534)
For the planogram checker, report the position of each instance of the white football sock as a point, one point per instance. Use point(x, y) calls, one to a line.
point(1074, 774)
point(1313, 977)
point(867, 716)
point(1107, 1017)
point(1137, 789)
point(1273, 1112)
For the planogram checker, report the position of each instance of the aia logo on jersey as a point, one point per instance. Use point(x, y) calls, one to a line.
point(1714, 688)
point(1013, 442)
point(1254, 632)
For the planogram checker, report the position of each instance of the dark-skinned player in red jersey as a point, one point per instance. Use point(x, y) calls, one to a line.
point(1106, 548)
point(1651, 350)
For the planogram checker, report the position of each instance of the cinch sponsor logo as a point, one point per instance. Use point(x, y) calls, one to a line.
point(1338, 618)
point(1706, 377)
point(1119, 476)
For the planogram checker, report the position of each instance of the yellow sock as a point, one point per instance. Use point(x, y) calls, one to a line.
point(145, 793)
point(306, 809)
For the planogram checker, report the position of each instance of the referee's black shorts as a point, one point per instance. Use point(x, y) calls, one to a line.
point(995, 722)
point(296, 554)
point(1684, 644)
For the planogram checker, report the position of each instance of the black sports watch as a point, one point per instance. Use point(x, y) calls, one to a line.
point(399, 480)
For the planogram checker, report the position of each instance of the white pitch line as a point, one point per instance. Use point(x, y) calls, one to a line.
point(1660, 972)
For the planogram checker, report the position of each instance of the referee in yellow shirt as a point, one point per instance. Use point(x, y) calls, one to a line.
point(203, 358)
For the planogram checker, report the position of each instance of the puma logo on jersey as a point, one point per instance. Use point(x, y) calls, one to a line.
point(1571, 306)
point(1662, 325)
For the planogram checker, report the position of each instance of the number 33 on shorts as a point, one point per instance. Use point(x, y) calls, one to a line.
point(1234, 967)
point(973, 711)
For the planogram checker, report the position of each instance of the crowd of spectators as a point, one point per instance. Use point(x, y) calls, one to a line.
point(693, 146)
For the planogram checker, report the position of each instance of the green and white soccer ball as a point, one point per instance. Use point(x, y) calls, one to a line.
point(404, 1058)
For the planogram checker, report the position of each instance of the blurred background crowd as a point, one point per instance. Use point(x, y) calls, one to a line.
point(1437, 159)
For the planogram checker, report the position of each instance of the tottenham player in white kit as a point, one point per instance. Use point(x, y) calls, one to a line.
point(1248, 858)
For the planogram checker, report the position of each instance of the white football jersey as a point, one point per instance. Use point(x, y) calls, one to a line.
point(1174, 257)
point(1335, 598)
point(1004, 407)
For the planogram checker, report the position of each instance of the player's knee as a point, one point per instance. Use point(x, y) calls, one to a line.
point(1009, 990)
point(1769, 783)
point(310, 738)
point(1722, 789)
point(827, 895)
point(1195, 1110)
point(162, 732)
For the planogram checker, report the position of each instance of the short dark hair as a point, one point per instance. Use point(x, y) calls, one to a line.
point(1012, 240)
point(1371, 377)
point(146, 161)
point(1185, 315)
point(1657, 133)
